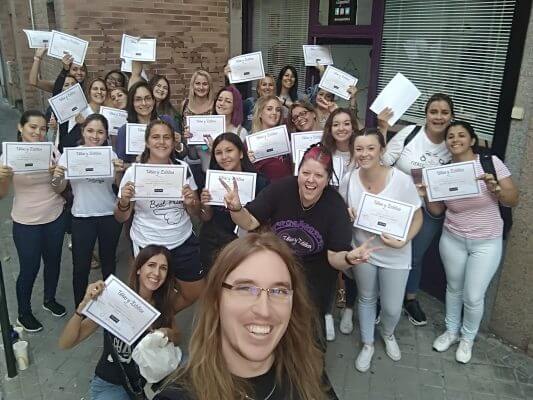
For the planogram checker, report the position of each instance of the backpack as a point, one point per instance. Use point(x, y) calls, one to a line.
point(485, 159)
point(408, 138)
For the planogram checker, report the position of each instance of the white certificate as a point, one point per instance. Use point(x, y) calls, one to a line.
point(314, 54)
point(115, 118)
point(338, 167)
point(382, 215)
point(245, 183)
point(89, 162)
point(399, 94)
point(303, 140)
point(69, 103)
point(24, 157)
point(38, 39)
point(61, 43)
point(452, 181)
point(201, 126)
point(135, 48)
point(121, 311)
point(135, 142)
point(271, 142)
point(337, 82)
point(157, 181)
point(247, 67)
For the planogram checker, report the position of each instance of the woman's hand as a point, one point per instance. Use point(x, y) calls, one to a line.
point(205, 197)
point(352, 213)
point(80, 119)
point(127, 193)
point(321, 68)
point(383, 119)
point(5, 173)
point(209, 141)
point(251, 156)
point(52, 124)
point(189, 197)
point(93, 291)
point(40, 52)
point(187, 133)
point(421, 189)
point(352, 91)
point(67, 61)
point(492, 183)
point(231, 198)
point(227, 70)
point(118, 165)
point(59, 172)
point(361, 254)
point(392, 241)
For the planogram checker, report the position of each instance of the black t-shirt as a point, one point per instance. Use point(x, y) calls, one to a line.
point(108, 370)
point(263, 386)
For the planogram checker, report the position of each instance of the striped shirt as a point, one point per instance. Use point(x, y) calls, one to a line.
point(477, 217)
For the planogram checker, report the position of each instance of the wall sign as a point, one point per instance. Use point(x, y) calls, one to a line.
point(342, 12)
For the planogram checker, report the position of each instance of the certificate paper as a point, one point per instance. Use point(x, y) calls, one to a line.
point(38, 39)
point(247, 67)
point(399, 94)
point(61, 43)
point(69, 103)
point(121, 311)
point(337, 82)
point(382, 215)
point(135, 48)
point(135, 142)
point(245, 183)
point(271, 142)
point(453, 181)
point(157, 181)
point(115, 118)
point(89, 162)
point(314, 55)
point(201, 126)
point(24, 157)
point(303, 140)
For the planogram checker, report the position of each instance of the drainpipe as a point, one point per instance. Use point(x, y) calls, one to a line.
point(31, 15)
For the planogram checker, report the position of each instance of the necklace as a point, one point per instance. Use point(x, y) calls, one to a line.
point(307, 208)
point(266, 398)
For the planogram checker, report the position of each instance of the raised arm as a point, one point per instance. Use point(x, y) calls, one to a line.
point(33, 79)
point(240, 215)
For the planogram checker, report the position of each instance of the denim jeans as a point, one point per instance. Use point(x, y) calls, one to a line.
point(104, 390)
point(470, 265)
point(33, 243)
point(84, 233)
point(420, 244)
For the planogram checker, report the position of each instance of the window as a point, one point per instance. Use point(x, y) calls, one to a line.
point(458, 47)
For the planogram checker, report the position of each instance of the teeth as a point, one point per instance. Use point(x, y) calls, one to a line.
point(259, 329)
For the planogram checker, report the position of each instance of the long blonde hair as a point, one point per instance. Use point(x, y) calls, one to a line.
point(206, 75)
point(298, 361)
point(260, 104)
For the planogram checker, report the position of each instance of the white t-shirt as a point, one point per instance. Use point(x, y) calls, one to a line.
point(400, 187)
point(162, 222)
point(93, 197)
point(420, 152)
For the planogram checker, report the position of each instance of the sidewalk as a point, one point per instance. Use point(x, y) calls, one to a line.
point(495, 372)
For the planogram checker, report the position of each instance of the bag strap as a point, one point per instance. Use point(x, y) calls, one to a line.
point(126, 380)
point(485, 159)
point(411, 135)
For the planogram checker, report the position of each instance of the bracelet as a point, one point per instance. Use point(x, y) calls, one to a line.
point(234, 210)
point(56, 181)
point(37, 58)
point(347, 259)
point(79, 315)
point(121, 208)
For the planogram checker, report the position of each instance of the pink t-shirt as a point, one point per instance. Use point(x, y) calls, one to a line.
point(477, 217)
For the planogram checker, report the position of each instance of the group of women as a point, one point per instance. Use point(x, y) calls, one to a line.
point(255, 342)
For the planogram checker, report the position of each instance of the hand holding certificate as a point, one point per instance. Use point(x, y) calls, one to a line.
point(384, 216)
point(157, 181)
point(38, 39)
point(135, 142)
point(115, 118)
point(89, 162)
point(61, 44)
point(134, 48)
point(452, 181)
point(303, 140)
point(314, 54)
point(245, 183)
point(25, 157)
point(247, 67)
point(121, 311)
point(202, 126)
point(271, 142)
point(399, 94)
point(69, 103)
point(337, 82)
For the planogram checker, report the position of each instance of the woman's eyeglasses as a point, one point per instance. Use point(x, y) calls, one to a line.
point(279, 294)
point(302, 114)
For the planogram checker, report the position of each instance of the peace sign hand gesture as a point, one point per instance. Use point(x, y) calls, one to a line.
point(231, 198)
point(362, 253)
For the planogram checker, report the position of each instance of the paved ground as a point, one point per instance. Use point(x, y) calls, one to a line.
point(496, 371)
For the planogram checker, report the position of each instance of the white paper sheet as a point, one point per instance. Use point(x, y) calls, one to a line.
point(245, 182)
point(115, 118)
point(269, 143)
point(26, 157)
point(61, 43)
point(139, 49)
point(315, 54)
point(89, 162)
point(157, 181)
point(69, 103)
point(201, 126)
point(337, 82)
point(246, 67)
point(38, 39)
point(135, 142)
point(303, 140)
point(452, 181)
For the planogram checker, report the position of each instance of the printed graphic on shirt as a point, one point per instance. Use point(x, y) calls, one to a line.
point(123, 351)
point(427, 159)
point(301, 237)
point(172, 210)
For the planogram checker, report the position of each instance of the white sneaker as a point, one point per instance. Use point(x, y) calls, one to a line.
point(445, 341)
point(346, 325)
point(363, 360)
point(391, 348)
point(330, 328)
point(464, 351)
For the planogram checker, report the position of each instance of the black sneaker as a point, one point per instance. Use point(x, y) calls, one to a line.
point(414, 312)
point(29, 323)
point(55, 308)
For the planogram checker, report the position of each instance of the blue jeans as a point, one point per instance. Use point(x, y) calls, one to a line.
point(470, 265)
point(104, 390)
point(34, 242)
point(420, 244)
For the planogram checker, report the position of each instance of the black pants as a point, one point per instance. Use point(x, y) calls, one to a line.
point(84, 233)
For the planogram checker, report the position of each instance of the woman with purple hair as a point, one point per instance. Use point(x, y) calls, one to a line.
point(228, 102)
